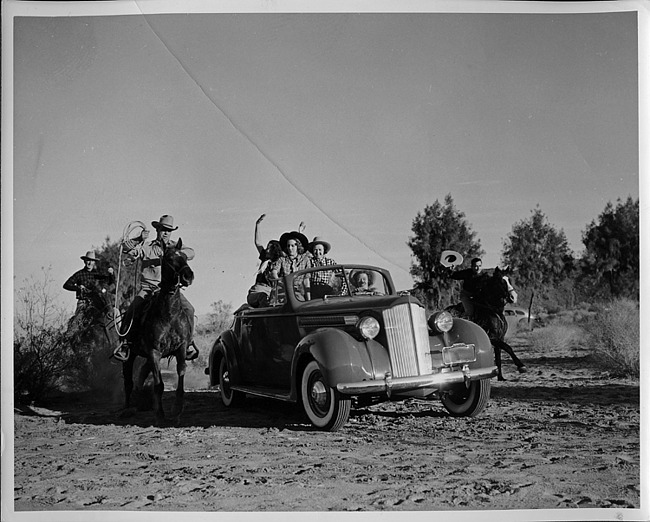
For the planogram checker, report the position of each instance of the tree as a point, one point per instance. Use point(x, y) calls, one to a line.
point(538, 254)
point(438, 228)
point(109, 254)
point(610, 262)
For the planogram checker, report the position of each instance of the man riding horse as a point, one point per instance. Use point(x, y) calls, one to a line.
point(89, 283)
point(87, 280)
point(150, 254)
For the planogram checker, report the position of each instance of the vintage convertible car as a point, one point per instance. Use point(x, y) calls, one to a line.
point(342, 332)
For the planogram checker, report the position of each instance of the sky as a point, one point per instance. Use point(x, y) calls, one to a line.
point(352, 122)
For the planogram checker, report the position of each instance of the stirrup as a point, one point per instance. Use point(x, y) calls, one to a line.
point(122, 352)
point(191, 352)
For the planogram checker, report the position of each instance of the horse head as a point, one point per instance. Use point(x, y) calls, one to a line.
point(494, 291)
point(175, 270)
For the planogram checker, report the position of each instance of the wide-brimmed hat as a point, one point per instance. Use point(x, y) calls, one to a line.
point(450, 258)
point(369, 273)
point(165, 222)
point(318, 241)
point(90, 256)
point(284, 239)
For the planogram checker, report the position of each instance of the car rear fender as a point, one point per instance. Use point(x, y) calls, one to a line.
point(467, 332)
point(224, 346)
point(342, 358)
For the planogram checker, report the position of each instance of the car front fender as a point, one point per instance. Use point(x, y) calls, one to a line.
point(342, 358)
point(224, 346)
point(465, 332)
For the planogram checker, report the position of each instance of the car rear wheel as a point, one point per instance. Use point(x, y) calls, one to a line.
point(229, 397)
point(323, 405)
point(462, 401)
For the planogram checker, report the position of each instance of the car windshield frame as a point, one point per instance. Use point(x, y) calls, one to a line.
point(383, 287)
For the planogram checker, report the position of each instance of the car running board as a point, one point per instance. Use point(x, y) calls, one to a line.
point(270, 393)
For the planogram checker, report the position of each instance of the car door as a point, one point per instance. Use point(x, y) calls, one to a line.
point(269, 336)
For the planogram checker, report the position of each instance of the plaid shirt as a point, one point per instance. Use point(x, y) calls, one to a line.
point(91, 279)
point(324, 276)
point(297, 263)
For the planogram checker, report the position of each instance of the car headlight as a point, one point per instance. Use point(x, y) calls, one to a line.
point(368, 327)
point(441, 321)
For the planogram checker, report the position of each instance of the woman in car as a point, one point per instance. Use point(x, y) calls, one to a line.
point(320, 281)
point(362, 281)
point(292, 243)
point(268, 271)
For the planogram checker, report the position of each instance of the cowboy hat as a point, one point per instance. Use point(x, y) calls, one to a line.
point(90, 256)
point(318, 241)
point(450, 258)
point(355, 273)
point(166, 222)
point(284, 238)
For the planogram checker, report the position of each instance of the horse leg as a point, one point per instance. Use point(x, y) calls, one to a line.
point(505, 346)
point(181, 366)
point(158, 387)
point(144, 400)
point(127, 375)
point(497, 359)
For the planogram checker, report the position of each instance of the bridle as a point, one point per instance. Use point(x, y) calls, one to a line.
point(177, 274)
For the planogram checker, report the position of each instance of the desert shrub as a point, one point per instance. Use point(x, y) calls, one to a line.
point(556, 336)
point(615, 333)
point(218, 320)
point(42, 355)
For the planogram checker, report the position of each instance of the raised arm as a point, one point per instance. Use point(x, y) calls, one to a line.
point(131, 246)
point(258, 241)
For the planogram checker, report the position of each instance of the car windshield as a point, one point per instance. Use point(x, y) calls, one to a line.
point(339, 282)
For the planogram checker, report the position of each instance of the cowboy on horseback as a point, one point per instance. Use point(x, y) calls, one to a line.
point(89, 285)
point(88, 280)
point(473, 280)
point(150, 254)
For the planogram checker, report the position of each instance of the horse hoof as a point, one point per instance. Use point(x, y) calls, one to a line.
point(500, 378)
point(126, 412)
point(522, 369)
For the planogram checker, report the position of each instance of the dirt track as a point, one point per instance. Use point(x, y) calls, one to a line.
point(561, 436)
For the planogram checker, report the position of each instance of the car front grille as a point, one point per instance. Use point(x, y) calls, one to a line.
point(408, 340)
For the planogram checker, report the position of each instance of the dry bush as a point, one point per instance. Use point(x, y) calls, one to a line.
point(195, 377)
point(41, 352)
point(615, 333)
point(557, 336)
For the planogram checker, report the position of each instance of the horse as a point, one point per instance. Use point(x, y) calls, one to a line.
point(492, 296)
point(164, 330)
point(92, 335)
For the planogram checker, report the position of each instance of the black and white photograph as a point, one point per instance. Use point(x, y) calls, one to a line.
point(286, 260)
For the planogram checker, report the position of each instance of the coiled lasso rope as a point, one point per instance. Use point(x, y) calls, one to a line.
point(128, 230)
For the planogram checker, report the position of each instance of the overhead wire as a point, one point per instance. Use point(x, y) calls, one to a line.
point(267, 156)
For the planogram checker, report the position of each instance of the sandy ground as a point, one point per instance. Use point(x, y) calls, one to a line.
point(563, 436)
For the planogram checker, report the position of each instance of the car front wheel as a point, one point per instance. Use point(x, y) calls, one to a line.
point(323, 405)
point(462, 401)
point(229, 397)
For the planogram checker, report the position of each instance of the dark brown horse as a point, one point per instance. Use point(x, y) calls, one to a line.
point(92, 335)
point(164, 330)
point(494, 293)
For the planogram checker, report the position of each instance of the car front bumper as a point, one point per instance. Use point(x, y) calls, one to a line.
point(389, 385)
